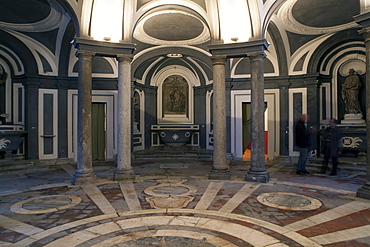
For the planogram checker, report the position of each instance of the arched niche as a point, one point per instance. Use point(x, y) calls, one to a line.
point(175, 95)
point(340, 72)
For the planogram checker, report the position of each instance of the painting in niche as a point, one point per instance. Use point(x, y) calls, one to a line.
point(175, 95)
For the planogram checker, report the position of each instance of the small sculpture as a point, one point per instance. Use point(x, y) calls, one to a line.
point(350, 90)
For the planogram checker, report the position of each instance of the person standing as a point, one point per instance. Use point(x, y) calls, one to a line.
point(302, 141)
point(331, 146)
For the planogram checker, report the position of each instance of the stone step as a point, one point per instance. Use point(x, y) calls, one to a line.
point(14, 164)
point(342, 161)
point(173, 156)
point(345, 165)
point(174, 153)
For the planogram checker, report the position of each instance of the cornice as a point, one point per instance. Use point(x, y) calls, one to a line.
point(103, 48)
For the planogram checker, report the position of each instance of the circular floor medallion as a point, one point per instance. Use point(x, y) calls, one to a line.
point(45, 204)
point(174, 241)
point(171, 190)
point(170, 187)
point(289, 201)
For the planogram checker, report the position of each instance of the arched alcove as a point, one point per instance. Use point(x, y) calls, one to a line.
point(175, 98)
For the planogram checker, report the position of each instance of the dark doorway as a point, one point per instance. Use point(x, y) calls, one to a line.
point(98, 126)
point(247, 130)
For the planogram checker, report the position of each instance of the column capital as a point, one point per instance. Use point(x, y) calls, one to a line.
point(218, 59)
point(239, 49)
point(103, 48)
point(365, 32)
point(86, 54)
point(256, 55)
point(364, 20)
point(124, 58)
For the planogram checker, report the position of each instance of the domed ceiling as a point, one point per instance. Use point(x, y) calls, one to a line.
point(171, 27)
point(318, 13)
point(318, 16)
point(18, 11)
point(30, 15)
point(179, 25)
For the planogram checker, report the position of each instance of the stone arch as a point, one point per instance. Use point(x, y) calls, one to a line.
point(159, 80)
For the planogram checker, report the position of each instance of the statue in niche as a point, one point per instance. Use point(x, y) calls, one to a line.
point(175, 91)
point(136, 107)
point(136, 113)
point(350, 90)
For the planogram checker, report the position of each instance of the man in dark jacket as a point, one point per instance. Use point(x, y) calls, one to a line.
point(302, 141)
point(331, 146)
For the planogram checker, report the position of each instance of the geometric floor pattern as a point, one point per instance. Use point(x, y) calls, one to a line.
point(173, 203)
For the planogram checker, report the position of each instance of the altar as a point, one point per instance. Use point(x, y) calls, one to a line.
point(175, 135)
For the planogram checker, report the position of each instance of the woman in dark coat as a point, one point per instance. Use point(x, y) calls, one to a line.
point(332, 146)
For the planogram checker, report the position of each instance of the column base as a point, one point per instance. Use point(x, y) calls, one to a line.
point(124, 175)
point(219, 174)
point(261, 177)
point(82, 179)
point(364, 191)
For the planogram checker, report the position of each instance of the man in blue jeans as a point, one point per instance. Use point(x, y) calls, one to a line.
point(302, 141)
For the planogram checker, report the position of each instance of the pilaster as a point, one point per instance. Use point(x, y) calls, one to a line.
point(283, 86)
point(62, 117)
point(31, 86)
point(199, 116)
point(313, 98)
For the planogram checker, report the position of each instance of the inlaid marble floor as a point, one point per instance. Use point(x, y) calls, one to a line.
point(174, 204)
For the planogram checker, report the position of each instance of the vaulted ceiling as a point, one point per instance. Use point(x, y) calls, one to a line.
point(44, 27)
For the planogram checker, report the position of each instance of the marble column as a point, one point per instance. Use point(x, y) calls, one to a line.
point(220, 169)
point(84, 173)
point(257, 171)
point(364, 191)
point(124, 169)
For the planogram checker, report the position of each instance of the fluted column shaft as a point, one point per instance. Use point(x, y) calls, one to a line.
point(124, 169)
point(220, 169)
point(84, 173)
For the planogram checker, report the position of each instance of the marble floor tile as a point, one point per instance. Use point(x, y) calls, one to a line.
point(43, 208)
